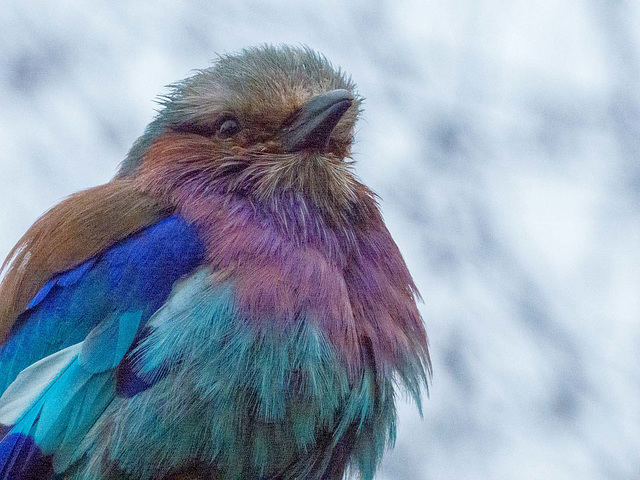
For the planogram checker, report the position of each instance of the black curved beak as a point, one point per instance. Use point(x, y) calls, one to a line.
point(312, 124)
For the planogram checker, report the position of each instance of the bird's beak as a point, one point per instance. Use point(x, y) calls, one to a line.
point(311, 125)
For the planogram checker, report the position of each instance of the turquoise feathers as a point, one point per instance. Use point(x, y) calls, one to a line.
point(262, 398)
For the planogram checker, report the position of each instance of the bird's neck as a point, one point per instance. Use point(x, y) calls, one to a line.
point(312, 200)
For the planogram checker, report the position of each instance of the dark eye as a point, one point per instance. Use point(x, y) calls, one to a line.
point(229, 128)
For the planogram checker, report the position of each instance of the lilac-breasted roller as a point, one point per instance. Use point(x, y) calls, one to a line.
point(229, 306)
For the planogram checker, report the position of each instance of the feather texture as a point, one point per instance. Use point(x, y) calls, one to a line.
point(256, 403)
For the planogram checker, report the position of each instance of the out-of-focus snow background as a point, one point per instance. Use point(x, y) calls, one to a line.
point(504, 140)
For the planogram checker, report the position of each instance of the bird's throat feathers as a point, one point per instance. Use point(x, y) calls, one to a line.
point(297, 191)
point(296, 238)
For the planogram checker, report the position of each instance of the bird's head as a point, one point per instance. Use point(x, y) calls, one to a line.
point(273, 125)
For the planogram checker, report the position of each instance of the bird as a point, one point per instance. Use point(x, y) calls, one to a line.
point(230, 305)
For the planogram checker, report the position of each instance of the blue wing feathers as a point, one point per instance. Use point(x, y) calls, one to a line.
point(91, 315)
point(134, 275)
point(107, 344)
point(62, 280)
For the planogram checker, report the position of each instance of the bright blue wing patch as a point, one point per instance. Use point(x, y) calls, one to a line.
point(134, 276)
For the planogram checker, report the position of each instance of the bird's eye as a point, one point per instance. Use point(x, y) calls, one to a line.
point(229, 128)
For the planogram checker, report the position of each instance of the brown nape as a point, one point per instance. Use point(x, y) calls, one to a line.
point(68, 234)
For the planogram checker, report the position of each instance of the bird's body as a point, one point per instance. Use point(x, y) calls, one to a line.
point(230, 306)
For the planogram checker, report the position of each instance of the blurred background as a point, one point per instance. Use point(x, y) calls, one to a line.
point(504, 141)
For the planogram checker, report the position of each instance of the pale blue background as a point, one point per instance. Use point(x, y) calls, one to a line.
point(504, 140)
